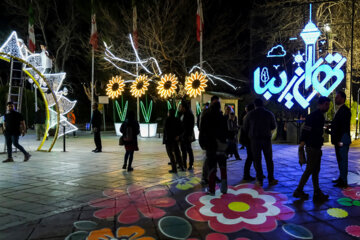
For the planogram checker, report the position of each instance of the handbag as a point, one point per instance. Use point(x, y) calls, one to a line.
point(121, 141)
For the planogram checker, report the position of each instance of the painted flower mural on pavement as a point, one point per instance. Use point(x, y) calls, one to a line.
point(217, 236)
point(185, 183)
point(129, 204)
point(354, 178)
point(122, 233)
point(245, 206)
point(352, 192)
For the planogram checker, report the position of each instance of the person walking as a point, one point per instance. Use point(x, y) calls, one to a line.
point(72, 119)
point(232, 138)
point(213, 130)
point(187, 120)
point(245, 141)
point(39, 121)
point(96, 125)
point(130, 129)
point(171, 138)
point(312, 138)
point(340, 138)
point(14, 126)
point(258, 125)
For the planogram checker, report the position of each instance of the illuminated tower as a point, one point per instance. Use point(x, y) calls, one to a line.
point(310, 35)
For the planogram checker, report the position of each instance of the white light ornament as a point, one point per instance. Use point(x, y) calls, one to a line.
point(311, 74)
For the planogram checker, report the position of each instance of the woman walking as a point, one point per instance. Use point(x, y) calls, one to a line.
point(130, 129)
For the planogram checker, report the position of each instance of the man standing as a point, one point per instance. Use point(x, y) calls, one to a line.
point(258, 125)
point(340, 138)
point(312, 137)
point(96, 125)
point(14, 126)
point(187, 120)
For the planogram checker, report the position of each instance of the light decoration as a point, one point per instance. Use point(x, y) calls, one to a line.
point(33, 67)
point(195, 84)
point(167, 85)
point(121, 110)
point(315, 76)
point(146, 110)
point(277, 51)
point(115, 87)
point(139, 86)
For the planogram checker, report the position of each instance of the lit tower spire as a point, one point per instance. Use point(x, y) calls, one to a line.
point(310, 35)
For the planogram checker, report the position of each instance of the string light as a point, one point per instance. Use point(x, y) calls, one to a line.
point(195, 84)
point(139, 86)
point(115, 87)
point(167, 85)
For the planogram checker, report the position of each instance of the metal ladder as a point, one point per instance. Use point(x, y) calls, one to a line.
point(16, 87)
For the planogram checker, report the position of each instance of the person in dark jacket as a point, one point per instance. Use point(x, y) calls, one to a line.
point(96, 126)
point(130, 129)
point(213, 130)
point(39, 121)
point(245, 141)
point(187, 120)
point(14, 127)
point(171, 138)
point(340, 138)
point(258, 125)
point(232, 138)
point(312, 137)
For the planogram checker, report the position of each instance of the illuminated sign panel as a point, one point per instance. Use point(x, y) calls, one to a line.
point(312, 75)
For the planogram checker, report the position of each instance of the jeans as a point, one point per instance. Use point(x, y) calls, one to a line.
point(13, 139)
point(97, 140)
point(342, 159)
point(312, 168)
point(212, 160)
point(185, 149)
point(173, 152)
point(264, 145)
point(248, 162)
point(128, 155)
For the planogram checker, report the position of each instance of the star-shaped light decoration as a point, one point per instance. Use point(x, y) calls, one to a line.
point(139, 86)
point(167, 85)
point(115, 87)
point(195, 84)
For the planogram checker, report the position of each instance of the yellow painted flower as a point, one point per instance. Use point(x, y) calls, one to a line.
point(167, 85)
point(195, 84)
point(115, 87)
point(139, 86)
point(337, 212)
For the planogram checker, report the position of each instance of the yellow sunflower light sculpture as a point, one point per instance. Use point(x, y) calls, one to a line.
point(139, 86)
point(115, 87)
point(195, 84)
point(167, 85)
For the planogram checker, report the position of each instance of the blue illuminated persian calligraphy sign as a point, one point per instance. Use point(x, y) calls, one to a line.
point(311, 76)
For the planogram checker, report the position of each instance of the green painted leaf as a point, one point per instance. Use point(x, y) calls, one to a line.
point(345, 201)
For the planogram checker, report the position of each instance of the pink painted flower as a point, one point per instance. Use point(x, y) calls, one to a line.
point(217, 236)
point(352, 192)
point(353, 230)
point(132, 202)
point(244, 206)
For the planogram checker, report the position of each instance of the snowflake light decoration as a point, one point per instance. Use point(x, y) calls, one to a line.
point(115, 87)
point(139, 86)
point(195, 84)
point(167, 85)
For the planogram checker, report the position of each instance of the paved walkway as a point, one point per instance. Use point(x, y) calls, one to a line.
point(79, 194)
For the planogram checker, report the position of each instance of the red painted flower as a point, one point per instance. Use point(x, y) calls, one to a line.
point(244, 206)
point(217, 236)
point(352, 192)
point(129, 204)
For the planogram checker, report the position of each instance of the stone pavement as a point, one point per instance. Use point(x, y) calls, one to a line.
point(83, 195)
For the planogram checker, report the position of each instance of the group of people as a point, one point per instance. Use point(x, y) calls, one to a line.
point(218, 138)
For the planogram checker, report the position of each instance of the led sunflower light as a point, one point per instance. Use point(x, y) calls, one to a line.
point(115, 87)
point(167, 85)
point(195, 84)
point(139, 86)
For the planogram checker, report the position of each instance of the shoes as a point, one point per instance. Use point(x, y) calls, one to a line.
point(273, 182)
point(336, 180)
point(242, 147)
point(217, 180)
point(130, 169)
point(190, 168)
point(27, 157)
point(182, 169)
point(8, 160)
point(172, 171)
point(124, 166)
point(249, 178)
point(210, 193)
point(320, 196)
point(223, 187)
point(300, 194)
point(341, 184)
point(96, 151)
